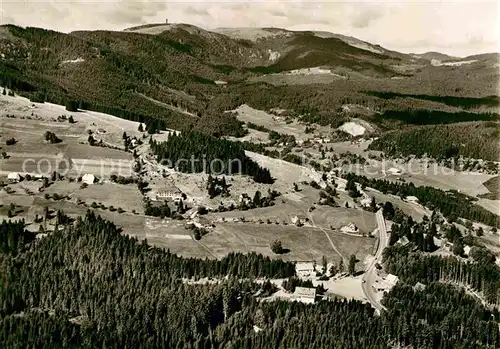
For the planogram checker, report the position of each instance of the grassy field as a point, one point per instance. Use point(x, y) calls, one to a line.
point(247, 114)
point(303, 243)
point(127, 197)
point(31, 153)
point(422, 174)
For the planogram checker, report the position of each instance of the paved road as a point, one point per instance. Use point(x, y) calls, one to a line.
point(370, 276)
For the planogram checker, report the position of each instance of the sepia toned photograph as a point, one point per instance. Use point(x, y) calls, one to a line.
point(268, 174)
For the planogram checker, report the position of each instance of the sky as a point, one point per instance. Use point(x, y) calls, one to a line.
point(457, 27)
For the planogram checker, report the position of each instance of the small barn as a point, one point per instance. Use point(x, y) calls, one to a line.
point(412, 199)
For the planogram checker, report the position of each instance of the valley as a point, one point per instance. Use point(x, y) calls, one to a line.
point(204, 179)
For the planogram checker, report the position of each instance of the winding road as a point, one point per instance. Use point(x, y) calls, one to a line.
point(370, 275)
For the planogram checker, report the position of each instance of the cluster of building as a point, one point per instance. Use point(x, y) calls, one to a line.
point(387, 281)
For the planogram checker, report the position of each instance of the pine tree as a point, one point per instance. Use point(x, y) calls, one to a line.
point(352, 265)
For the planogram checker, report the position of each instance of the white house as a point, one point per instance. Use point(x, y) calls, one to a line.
point(467, 250)
point(304, 294)
point(305, 269)
point(88, 178)
point(256, 329)
point(13, 177)
point(172, 193)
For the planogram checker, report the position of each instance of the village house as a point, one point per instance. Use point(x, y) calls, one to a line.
point(299, 220)
point(13, 177)
point(350, 228)
point(88, 178)
point(304, 294)
point(245, 199)
point(366, 201)
point(305, 269)
point(169, 193)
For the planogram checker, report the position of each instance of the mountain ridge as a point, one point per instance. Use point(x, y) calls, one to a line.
point(111, 71)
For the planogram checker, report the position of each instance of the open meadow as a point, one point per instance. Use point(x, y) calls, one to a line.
point(27, 123)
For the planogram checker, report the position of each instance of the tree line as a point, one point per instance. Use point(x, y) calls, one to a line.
point(450, 203)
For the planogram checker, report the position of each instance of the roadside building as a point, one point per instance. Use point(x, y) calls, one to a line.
point(13, 177)
point(387, 282)
point(304, 294)
point(392, 279)
point(88, 178)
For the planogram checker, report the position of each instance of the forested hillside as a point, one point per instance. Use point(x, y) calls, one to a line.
point(451, 204)
point(481, 275)
point(171, 76)
point(194, 152)
point(478, 140)
point(87, 286)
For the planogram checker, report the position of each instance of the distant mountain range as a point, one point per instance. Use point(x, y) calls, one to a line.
point(173, 71)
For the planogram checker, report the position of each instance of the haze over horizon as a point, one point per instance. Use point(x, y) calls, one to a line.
point(458, 28)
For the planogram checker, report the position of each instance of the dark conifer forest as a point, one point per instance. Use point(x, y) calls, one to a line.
point(195, 152)
point(88, 286)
